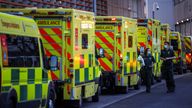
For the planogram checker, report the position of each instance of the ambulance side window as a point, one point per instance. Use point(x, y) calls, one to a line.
point(21, 52)
point(84, 41)
point(130, 41)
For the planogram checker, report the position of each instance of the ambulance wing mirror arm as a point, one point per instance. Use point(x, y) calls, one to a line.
point(53, 63)
point(46, 62)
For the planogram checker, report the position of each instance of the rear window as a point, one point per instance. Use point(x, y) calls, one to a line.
point(130, 41)
point(19, 51)
point(84, 41)
point(174, 43)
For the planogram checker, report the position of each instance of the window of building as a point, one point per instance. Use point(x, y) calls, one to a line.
point(21, 51)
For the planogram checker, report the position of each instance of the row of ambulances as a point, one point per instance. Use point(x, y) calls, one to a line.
point(48, 58)
point(61, 56)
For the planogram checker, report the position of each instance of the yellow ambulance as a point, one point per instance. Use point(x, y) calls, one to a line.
point(23, 70)
point(165, 31)
point(187, 41)
point(176, 45)
point(116, 36)
point(149, 36)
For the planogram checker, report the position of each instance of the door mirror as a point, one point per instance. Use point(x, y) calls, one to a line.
point(53, 62)
point(101, 52)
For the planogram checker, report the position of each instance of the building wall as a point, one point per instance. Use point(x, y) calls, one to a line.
point(165, 13)
point(102, 7)
point(128, 8)
point(183, 16)
point(86, 5)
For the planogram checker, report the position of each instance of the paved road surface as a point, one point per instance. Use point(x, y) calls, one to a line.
point(158, 98)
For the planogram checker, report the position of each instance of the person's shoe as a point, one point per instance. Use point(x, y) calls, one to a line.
point(170, 91)
point(148, 91)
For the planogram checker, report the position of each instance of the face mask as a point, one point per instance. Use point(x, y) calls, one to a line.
point(165, 46)
point(149, 53)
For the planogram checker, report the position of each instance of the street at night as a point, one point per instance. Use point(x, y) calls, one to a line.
point(158, 98)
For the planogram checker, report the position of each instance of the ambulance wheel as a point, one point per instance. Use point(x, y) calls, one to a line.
point(51, 100)
point(78, 103)
point(11, 103)
point(180, 71)
point(137, 87)
point(124, 89)
point(185, 70)
point(95, 98)
point(158, 79)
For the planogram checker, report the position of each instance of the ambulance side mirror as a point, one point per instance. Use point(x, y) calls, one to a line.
point(101, 53)
point(53, 63)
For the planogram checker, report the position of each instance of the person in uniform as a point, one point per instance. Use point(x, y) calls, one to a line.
point(167, 55)
point(148, 60)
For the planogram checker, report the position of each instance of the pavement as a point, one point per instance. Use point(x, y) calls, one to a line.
point(158, 98)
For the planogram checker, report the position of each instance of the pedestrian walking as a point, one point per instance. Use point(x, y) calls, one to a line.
point(167, 55)
point(148, 60)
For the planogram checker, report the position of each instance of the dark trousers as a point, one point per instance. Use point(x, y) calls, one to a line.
point(168, 76)
point(147, 77)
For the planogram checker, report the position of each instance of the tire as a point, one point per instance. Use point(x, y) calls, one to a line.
point(158, 79)
point(180, 72)
point(51, 100)
point(95, 98)
point(11, 103)
point(78, 103)
point(124, 89)
point(137, 87)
